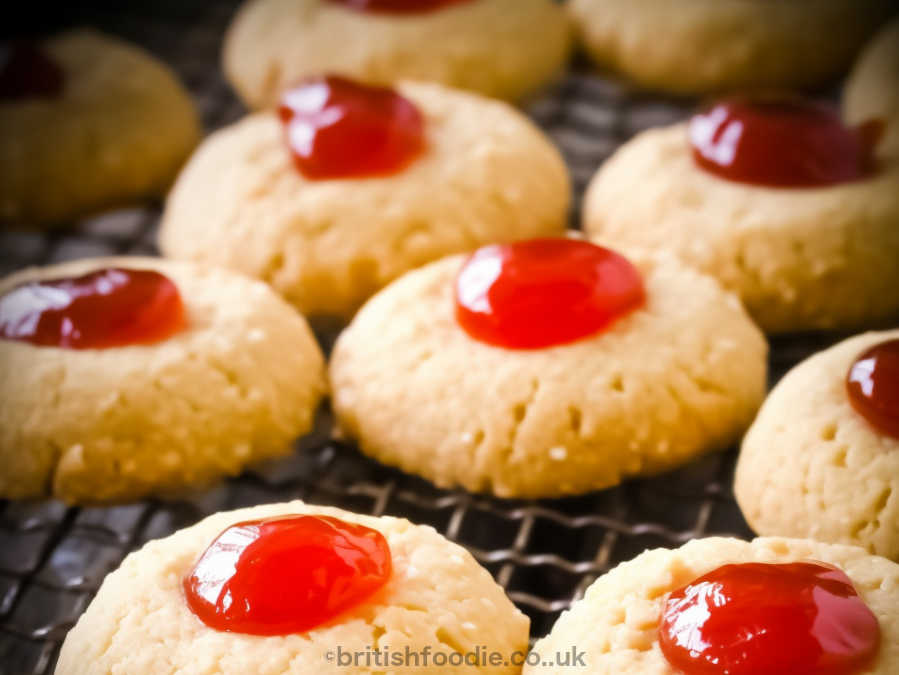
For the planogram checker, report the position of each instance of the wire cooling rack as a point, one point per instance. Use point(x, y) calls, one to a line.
point(544, 553)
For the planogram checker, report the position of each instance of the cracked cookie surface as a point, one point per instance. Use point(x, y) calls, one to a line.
point(617, 622)
point(678, 377)
point(438, 597)
point(235, 387)
point(811, 466)
point(488, 174)
point(501, 48)
point(800, 258)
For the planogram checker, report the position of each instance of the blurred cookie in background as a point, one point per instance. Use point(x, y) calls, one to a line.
point(348, 185)
point(700, 46)
point(872, 90)
point(87, 122)
point(500, 48)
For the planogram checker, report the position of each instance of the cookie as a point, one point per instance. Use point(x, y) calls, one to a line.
point(803, 257)
point(680, 373)
point(813, 466)
point(231, 383)
point(715, 45)
point(87, 122)
point(616, 625)
point(872, 89)
point(485, 174)
point(437, 601)
point(500, 48)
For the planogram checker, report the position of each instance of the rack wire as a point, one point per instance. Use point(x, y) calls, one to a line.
point(544, 553)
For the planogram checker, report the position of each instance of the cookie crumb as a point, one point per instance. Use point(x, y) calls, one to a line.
point(558, 453)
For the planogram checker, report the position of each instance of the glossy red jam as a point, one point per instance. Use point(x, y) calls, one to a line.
point(337, 128)
point(781, 143)
point(286, 575)
point(27, 71)
point(774, 619)
point(110, 307)
point(873, 386)
point(399, 6)
point(544, 292)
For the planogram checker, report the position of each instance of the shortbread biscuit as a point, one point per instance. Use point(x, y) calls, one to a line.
point(811, 466)
point(487, 174)
point(682, 375)
point(500, 48)
point(800, 258)
point(702, 46)
point(872, 90)
point(438, 599)
point(92, 425)
point(119, 131)
point(617, 622)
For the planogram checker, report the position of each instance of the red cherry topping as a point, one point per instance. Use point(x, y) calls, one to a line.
point(544, 292)
point(337, 128)
point(873, 386)
point(790, 619)
point(26, 71)
point(110, 307)
point(286, 575)
point(398, 6)
point(781, 143)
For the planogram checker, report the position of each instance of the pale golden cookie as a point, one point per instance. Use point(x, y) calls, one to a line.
point(811, 466)
point(678, 377)
point(118, 133)
point(872, 90)
point(617, 622)
point(488, 174)
point(701, 46)
point(800, 258)
point(500, 48)
point(236, 386)
point(438, 598)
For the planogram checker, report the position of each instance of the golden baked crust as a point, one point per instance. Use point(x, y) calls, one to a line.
point(437, 597)
point(617, 621)
point(811, 466)
point(799, 258)
point(681, 376)
point(119, 132)
point(488, 174)
point(237, 386)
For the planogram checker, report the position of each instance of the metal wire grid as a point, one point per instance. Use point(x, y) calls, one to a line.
point(544, 553)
